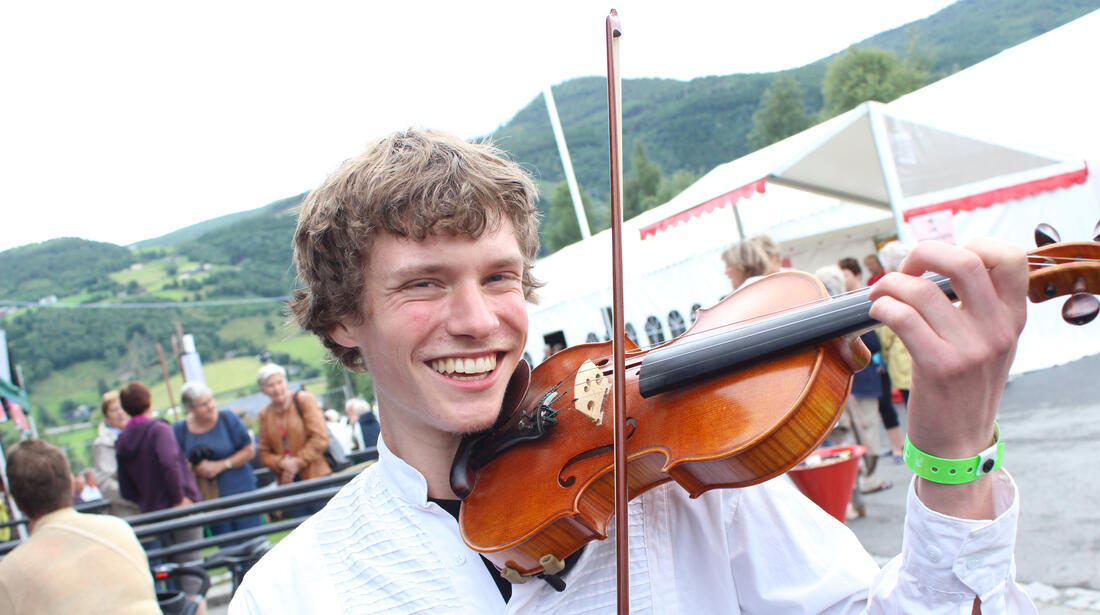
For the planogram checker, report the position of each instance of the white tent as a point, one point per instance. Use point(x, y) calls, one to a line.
point(825, 193)
point(1038, 94)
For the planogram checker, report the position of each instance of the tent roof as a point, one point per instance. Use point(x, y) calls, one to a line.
point(1039, 93)
point(869, 155)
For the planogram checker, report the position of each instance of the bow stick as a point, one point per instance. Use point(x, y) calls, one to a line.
point(615, 137)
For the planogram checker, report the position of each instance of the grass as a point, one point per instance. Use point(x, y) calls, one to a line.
point(78, 382)
point(304, 346)
point(152, 272)
point(250, 328)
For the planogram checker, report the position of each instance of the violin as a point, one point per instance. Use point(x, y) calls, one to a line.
point(745, 394)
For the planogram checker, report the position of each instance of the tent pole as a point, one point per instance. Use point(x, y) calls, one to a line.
point(566, 162)
point(737, 219)
point(885, 154)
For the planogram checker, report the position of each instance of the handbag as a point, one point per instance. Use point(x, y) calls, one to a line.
point(334, 455)
point(208, 487)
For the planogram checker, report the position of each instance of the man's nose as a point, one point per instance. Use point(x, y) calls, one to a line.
point(471, 313)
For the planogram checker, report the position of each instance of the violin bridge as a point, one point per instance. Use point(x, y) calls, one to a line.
point(591, 387)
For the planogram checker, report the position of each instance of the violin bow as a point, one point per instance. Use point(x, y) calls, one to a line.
point(615, 137)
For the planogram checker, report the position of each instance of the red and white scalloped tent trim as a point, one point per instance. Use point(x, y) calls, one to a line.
point(967, 203)
point(999, 195)
point(731, 197)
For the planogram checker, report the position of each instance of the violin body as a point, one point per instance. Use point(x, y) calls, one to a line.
point(552, 494)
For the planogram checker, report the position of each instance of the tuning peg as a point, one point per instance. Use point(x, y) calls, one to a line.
point(1081, 307)
point(1096, 232)
point(1045, 234)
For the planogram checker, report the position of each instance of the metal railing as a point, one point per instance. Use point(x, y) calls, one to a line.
point(91, 506)
point(260, 501)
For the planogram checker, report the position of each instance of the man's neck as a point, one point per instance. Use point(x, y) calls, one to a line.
point(430, 452)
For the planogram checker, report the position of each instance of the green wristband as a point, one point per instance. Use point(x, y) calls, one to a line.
point(955, 471)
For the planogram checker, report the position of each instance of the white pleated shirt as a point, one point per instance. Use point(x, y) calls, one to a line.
point(380, 546)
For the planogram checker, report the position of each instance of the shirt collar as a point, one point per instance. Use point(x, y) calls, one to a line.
point(403, 480)
point(58, 515)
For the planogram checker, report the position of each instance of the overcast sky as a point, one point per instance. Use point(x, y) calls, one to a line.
point(122, 121)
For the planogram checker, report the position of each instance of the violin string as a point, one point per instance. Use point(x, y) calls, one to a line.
point(1039, 261)
point(712, 331)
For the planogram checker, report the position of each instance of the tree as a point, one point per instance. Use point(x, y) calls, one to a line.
point(863, 74)
point(361, 383)
point(643, 181)
point(560, 227)
point(670, 186)
point(781, 113)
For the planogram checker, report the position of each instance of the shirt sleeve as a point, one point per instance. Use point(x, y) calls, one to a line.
point(270, 452)
point(788, 555)
point(168, 453)
point(316, 434)
point(238, 434)
point(945, 561)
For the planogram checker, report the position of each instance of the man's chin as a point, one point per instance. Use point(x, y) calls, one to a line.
point(477, 425)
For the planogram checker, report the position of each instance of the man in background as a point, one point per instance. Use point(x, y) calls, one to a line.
point(91, 488)
point(72, 562)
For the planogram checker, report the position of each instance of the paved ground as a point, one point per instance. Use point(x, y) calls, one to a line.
point(1051, 426)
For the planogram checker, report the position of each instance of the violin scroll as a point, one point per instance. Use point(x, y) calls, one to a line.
point(1059, 268)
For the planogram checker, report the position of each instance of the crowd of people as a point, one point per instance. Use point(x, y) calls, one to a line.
point(143, 464)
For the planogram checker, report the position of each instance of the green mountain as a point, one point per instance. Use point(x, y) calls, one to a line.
point(60, 267)
point(696, 125)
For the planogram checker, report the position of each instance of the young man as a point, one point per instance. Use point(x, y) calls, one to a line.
point(72, 562)
point(415, 265)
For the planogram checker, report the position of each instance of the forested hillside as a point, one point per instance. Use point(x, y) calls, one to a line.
point(60, 267)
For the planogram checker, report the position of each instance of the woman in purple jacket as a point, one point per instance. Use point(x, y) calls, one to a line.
point(153, 472)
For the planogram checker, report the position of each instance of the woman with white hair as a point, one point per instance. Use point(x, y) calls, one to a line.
point(218, 447)
point(293, 435)
point(367, 427)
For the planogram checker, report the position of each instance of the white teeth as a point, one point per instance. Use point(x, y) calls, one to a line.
point(475, 368)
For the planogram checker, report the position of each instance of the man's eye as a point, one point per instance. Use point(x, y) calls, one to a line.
point(502, 277)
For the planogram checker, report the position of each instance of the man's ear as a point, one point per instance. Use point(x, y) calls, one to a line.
point(340, 334)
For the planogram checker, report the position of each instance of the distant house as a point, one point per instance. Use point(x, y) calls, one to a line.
point(137, 266)
point(196, 268)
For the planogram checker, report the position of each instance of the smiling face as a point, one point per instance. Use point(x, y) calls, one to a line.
point(445, 326)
